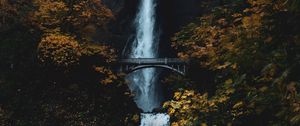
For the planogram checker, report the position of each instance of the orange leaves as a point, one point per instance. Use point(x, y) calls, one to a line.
point(189, 106)
point(77, 18)
point(252, 22)
point(220, 37)
point(183, 56)
point(251, 49)
point(55, 14)
point(222, 21)
point(109, 76)
point(101, 51)
point(61, 50)
point(106, 55)
point(260, 2)
point(65, 50)
point(90, 12)
point(50, 13)
point(223, 66)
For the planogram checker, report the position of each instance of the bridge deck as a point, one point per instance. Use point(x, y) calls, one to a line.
point(152, 61)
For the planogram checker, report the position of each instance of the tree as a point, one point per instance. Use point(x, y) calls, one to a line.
point(71, 16)
point(253, 48)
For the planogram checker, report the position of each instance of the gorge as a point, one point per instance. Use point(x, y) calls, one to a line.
point(149, 62)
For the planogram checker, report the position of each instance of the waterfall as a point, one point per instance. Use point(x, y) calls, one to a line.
point(144, 83)
point(155, 120)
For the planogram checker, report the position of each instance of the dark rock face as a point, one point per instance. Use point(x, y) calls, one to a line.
point(118, 30)
point(115, 5)
point(171, 16)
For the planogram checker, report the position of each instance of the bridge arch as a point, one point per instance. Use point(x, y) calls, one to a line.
point(156, 66)
point(132, 64)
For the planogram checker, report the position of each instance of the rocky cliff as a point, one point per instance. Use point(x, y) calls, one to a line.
point(172, 15)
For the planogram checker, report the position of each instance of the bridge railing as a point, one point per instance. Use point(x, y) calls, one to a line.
point(152, 61)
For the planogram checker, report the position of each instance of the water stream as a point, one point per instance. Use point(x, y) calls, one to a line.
point(144, 83)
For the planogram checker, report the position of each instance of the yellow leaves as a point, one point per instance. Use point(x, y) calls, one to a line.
point(177, 95)
point(234, 66)
point(203, 124)
point(90, 11)
point(64, 51)
point(61, 50)
point(52, 14)
point(224, 66)
point(260, 2)
point(99, 69)
point(222, 21)
point(247, 10)
point(189, 92)
point(252, 22)
point(86, 14)
point(106, 81)
point(175, 124)
point(135, 118)
point(187, 109)
point(234, 51)
point(236, 15)
point(212, 104)
point(295, 106)
point(224, 38)
point(102, 51)
point(228, 82)
point(171, 111)
point(188, 102)
point(263, 89)
point(238, 105)
point(183, 56)
point(109, 76)
point(222, 99)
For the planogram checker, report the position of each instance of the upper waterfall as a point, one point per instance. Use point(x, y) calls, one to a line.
point(145, 45)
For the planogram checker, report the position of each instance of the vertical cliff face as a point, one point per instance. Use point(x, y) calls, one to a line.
point(115, 5)
point(175, 13)
point(171, 14)
point(119, 29)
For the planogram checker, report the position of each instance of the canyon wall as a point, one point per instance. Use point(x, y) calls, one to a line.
point(172, 15)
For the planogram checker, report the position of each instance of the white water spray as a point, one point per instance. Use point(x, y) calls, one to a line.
point(143, 83)
point(155, 120)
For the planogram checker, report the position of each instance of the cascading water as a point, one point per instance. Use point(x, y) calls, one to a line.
point(144, 83)
point(155, 120)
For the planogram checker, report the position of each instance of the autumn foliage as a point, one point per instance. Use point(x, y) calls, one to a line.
point(70, 16)
point(59, 50)
point(53, 68)
point(67, 28)
point(243, 64)
point(252, 47)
